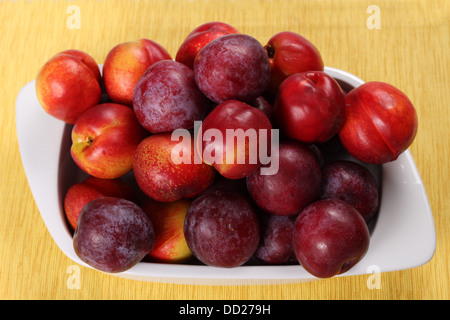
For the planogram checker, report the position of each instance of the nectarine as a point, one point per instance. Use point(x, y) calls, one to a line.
point(68, 84)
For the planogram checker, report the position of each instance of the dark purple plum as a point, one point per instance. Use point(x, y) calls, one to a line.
point(295, 185)
point(113, 234)
point(330, 237)
point(353, 183)
point(166, 98)
point(234, 66)
point(222, 229)
point(276, 239)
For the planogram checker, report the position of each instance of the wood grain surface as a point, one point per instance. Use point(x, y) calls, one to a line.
point(410, 50)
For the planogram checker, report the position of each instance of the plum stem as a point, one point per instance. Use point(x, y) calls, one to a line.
point(270, 51)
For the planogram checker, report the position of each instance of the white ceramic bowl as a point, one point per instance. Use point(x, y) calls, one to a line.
point(403, 237)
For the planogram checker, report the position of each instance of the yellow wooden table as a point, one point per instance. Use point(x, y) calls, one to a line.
point(408, 46)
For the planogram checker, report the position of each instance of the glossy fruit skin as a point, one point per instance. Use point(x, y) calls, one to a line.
point(104, 140)
point(92, 188)
point(113, 234)
point(295, 185)
point(381, 123)
point(310, 107)
point(330, 237)
point(163, 180)
point(290, 53)
point(68, 84)
point(222, 228)
point(166, 98)
point(233, 66)
point(168, 218)
point(276, 239)
point(353, 183)
point(198, 38)
point(234, 115)
point(126, 63)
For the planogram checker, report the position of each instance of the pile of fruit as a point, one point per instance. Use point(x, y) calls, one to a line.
point(228, 148)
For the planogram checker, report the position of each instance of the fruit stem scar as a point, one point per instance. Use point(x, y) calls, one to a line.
point(270, 51)
point(89, 140)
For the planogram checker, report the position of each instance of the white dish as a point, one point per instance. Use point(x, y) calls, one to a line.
point(404, 235)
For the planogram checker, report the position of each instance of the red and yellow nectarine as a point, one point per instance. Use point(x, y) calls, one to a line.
point(68, 84)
